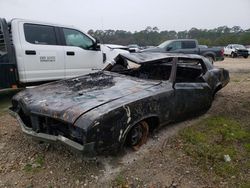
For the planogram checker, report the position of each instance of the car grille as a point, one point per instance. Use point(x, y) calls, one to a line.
point(51, 126)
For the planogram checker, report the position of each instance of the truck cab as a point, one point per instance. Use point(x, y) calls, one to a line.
point(33, 51)
point(188, 46)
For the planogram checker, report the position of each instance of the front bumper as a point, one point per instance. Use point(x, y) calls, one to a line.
point(87, 148)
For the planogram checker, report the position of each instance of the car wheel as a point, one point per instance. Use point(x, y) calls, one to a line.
point(246, 56)
point(138, 135)
point(233, 55)
point(210, 59)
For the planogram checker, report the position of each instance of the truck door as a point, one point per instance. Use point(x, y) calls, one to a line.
point(80, 56)
point(43, 57)
point(8, 68)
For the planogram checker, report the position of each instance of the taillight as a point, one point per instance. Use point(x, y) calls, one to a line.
point(222, 52)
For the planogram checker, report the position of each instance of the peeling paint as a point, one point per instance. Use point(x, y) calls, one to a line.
point(120, 136)
point(128, 113)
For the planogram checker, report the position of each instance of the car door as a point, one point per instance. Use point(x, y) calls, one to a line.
point(191, 96)
point(80, 56)
point(41, 54)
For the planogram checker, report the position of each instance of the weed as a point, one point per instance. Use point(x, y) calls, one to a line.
point(35, 165)
point(28, 167)
point(120, 181)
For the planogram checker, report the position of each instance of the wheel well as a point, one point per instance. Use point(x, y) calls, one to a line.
point(219, 87)
point(210, 55)
point(153, 122)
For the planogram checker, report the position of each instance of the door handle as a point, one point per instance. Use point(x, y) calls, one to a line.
point(70, 53)
point(30, 52)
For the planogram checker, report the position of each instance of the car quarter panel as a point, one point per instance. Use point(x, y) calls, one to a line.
point(109, 124)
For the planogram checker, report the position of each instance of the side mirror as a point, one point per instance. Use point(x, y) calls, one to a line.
point(173, 72)
point(97, 45)
point(97, 40)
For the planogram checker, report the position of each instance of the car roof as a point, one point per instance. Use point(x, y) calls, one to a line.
point(143, 58)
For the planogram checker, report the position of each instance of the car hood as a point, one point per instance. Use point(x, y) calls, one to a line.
point(68, 99)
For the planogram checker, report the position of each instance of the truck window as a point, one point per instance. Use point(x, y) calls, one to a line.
point(40, 34)
point(188, 44)
point(76, 38)
point(174, 45)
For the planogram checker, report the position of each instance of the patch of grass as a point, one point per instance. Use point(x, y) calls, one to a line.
point(120, 181)
point(214, 137)
point(247, 147)
point(35, 165)
point(28, 167)
point(39, 160)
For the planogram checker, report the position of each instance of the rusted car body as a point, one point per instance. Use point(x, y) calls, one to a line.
point(103, 111)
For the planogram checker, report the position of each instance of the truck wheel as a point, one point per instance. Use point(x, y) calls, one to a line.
point(210, 58)
point(138, 135)
point(233, 55)
point(245, 56)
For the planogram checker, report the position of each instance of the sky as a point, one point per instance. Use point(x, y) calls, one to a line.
point(132, 15)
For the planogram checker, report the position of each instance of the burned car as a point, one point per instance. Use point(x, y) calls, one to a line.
point(105, 111)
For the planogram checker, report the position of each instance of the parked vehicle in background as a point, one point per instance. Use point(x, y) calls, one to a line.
point(134, 48)
point(104, 111)
point(188, 46)
point(236, 50)
point(33, 51)
point(248, 48)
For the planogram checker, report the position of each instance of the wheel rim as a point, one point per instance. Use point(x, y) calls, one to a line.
point(138, 135)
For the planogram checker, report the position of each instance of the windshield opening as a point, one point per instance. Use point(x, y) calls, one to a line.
point(164, 44)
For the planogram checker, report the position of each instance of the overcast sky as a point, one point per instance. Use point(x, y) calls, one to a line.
point(132, 15)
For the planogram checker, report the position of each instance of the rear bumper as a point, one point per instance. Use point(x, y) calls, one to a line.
point(87, 148)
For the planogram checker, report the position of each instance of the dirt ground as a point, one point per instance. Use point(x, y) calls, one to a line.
point(27, 163)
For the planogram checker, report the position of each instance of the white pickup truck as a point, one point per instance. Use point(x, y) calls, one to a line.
point(32, 51)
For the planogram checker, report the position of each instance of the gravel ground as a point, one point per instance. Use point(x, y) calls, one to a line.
point(27, 163)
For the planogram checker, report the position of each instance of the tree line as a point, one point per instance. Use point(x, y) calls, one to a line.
point(151, 36)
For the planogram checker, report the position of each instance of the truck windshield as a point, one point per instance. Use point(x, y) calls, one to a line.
point(164, 44)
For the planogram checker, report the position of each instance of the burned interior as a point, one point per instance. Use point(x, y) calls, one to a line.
point(188, 70)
